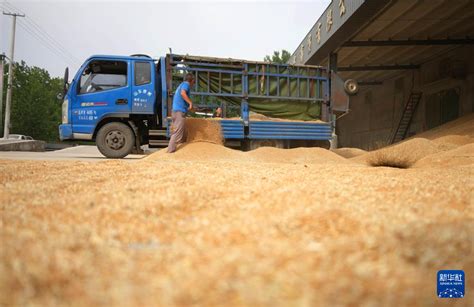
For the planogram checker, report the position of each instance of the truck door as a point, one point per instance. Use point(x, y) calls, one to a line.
point(143, 89)
point(103, 89)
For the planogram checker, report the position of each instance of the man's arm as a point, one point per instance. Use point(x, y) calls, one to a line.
point(186, 98)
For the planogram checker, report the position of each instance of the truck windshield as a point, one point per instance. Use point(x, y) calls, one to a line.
point(103, 75)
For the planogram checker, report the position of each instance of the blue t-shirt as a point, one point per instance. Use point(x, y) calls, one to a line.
point(179, 104)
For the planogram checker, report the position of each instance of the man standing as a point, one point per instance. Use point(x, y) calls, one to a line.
point(181, 104)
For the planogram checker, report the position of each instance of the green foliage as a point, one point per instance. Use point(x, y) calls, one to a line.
point(35, 109)
point(278, 57)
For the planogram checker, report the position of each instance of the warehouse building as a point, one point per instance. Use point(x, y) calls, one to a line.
point(414, 61)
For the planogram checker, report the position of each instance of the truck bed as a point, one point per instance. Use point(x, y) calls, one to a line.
point(235, 129)
point(293, 92)
point(288, 98)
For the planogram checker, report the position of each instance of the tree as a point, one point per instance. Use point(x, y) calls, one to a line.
point(277, 57)
point(35, 111)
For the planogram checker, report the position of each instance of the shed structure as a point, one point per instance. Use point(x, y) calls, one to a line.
point(413, 59)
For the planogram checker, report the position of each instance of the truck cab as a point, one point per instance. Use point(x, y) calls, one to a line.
point(108, 101)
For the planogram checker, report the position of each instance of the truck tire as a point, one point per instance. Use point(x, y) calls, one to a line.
point(115, 140)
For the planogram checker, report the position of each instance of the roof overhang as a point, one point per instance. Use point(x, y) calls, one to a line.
point(339, 22)
point(376, 39)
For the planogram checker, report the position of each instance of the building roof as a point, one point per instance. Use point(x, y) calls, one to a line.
point(376, 39)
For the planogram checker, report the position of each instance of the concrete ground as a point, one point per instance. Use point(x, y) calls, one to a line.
point(83, 152)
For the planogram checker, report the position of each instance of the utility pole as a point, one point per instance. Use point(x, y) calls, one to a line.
point(6, 130)
point(2, 57)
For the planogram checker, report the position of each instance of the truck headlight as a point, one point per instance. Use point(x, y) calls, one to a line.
point(64, 111)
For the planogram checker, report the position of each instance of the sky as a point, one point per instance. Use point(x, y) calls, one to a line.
point(56, 34)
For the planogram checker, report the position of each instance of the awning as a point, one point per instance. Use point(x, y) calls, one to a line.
point(376, 39)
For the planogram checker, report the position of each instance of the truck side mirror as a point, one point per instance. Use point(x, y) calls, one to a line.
point(66, 80)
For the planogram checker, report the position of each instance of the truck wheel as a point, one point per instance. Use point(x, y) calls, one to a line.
point(115, 140)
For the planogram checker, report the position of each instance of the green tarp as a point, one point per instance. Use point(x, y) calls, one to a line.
point(269, 106)
point(285, 91)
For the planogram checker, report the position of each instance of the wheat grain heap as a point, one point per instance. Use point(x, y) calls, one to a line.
point(209, 225)
point(202, 130)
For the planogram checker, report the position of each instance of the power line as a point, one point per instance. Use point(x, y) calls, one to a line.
point(36, 31)
point(63, 49)
point(47, 35)
point(42, 35)
point(46, 44)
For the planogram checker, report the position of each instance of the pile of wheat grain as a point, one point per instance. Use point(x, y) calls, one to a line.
point(402, 155)
point(260, 117)
point(314, 155)
point(463, 126)
point(199, 151)
point(462, 155)
point(213, 226)
point(438, 143)
point(204, 130)
point(348, 152)
point(204, 140)
point(205, 151)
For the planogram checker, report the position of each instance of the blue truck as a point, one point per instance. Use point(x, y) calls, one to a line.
point(124, 102)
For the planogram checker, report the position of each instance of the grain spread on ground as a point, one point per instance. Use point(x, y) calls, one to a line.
point(348, 152)
point(445, 138)
point(462, 155)
point(209, 225)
